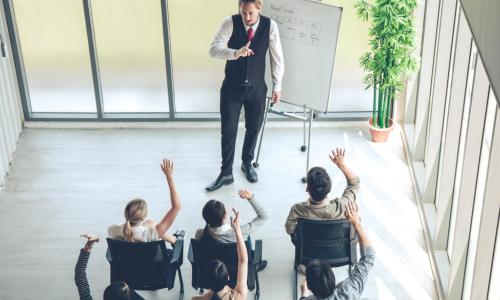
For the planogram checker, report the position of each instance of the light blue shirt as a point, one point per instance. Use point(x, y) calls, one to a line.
point(352, 287)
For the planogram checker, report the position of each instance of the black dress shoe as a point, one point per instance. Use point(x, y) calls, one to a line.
point(219, 182)
point(249, 171)
point(262, 265)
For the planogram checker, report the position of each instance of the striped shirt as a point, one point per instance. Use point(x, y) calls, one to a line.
point(81, 278)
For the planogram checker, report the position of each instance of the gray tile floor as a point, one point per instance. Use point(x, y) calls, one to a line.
point(64, 182)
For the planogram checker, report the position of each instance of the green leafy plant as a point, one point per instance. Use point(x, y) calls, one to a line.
point(390, 59)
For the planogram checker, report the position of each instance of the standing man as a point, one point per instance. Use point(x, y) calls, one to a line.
point(243, 41)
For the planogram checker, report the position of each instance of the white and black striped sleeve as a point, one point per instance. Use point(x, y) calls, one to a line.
point(81, 275)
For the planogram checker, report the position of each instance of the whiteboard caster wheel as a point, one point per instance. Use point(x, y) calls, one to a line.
point(255, 164)
point(304, 180)
point(303, 148)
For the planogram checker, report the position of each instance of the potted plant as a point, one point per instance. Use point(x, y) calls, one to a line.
point(390, 59)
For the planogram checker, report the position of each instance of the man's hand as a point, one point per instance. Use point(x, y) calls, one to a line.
point(91, 239)
point(337, 157)
point(167, 166)
point(245, 194)
point(276, 97)
point(243, 51)
point(351, 213)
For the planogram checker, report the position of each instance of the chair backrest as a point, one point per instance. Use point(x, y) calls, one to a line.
point(143, 266)
point(330, 241)
point(203, 253)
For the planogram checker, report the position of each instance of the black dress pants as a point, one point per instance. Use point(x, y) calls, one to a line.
point(253, 99)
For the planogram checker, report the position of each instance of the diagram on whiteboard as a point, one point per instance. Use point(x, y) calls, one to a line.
point(298, 30)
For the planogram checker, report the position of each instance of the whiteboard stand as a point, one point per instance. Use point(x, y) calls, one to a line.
point(307, 117)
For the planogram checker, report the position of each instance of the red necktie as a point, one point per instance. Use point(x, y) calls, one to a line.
point(250, 34)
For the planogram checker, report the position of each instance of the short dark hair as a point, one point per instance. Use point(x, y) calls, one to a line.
point(118, 290)
point(217, 275)
point(213, 213)
point(318, 183)
point(320, 279)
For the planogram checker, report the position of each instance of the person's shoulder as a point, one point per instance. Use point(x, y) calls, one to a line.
point(199, 233)
point(299, 206)
point(115, 230)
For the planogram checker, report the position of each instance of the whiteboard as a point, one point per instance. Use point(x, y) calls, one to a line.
point(308, 31)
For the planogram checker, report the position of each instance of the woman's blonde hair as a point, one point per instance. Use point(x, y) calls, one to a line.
point(135, 212)
point(258, 3)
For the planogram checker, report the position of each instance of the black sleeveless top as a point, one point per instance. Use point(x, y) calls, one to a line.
point(251, 67)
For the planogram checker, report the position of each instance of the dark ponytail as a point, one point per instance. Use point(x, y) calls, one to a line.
point(218, 277)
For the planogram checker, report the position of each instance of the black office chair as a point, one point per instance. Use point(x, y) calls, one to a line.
point(201, 253)
point(145, 266)
point(330, 241)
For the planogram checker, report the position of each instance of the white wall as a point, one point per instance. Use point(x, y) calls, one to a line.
point(10, 112)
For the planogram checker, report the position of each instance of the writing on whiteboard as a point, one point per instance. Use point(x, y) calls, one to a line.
point(302, 31)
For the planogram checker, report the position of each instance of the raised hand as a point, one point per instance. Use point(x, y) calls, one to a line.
point(245, 194)
point(167, 166)
point(337, 157)
point(351, 213)
point(243, 51)
point(91, 239)
point(235, 221)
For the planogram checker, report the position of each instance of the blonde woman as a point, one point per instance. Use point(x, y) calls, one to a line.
point(137, 229)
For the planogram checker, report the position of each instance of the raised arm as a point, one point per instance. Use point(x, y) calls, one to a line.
point(167, 166)
point(350, 193)
point(277, 61)
point(356, 282)
point(81, 281)
point(241, 284)
point(258, 221)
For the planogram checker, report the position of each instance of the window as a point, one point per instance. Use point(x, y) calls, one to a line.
point(56, 55)
point(479, 196)
point(131, 56)
point(461, 149)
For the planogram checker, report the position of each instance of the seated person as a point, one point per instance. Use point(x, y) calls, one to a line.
point(216, 230)
point(136, 229)
point(219, 275)
point(320, 279)
point(318, 206)
point(118, 290)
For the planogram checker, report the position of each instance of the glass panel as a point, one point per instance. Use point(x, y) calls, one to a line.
point(129, 39)
point(479, 196)
point(53, 41)
point(348, 92)
point(494, 290)
point(197, 77)
point(461, 150)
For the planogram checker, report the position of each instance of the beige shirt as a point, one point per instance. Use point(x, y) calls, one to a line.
point(225, 294)
point(142, 233)
point(328, 209)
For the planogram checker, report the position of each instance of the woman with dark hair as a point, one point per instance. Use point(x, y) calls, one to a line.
point(118, 290)
point(219, 275)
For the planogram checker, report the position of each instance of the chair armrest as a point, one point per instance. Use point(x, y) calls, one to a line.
point(108, 256)
point(178, 247)
point(190, 254)
point(257, 253)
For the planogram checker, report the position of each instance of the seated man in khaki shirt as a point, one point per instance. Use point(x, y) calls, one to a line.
point(318, 206)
